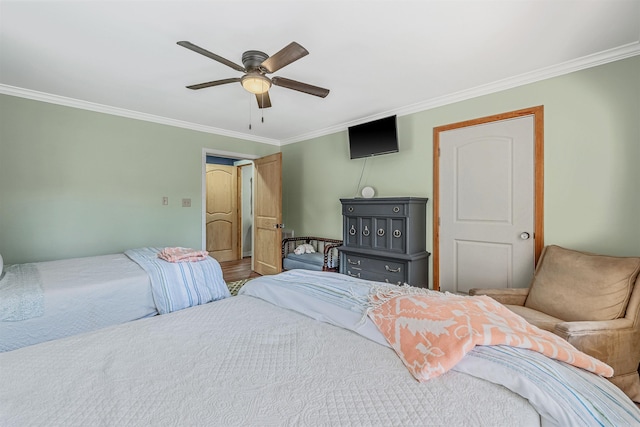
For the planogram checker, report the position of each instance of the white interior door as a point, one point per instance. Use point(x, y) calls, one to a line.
point(486, 205)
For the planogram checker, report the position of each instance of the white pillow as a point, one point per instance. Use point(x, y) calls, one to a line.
point(304, 249)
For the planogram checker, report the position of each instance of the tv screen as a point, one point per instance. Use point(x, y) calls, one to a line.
point(373, 138)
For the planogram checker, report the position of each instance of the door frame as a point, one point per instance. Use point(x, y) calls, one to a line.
point(218, 153)
point(538, 233)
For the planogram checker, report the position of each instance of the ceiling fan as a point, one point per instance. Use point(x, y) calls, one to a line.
point(256, 65)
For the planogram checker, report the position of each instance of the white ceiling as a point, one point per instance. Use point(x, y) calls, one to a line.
point(377, 58)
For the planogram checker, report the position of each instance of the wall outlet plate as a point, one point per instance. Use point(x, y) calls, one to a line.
point(186, 203)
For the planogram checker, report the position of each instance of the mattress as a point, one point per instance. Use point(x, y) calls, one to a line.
point(241, 361)
point(80, 295)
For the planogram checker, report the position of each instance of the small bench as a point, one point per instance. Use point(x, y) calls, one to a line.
point(324, 259)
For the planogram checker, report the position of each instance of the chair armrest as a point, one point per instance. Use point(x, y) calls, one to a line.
point(509, 296)
point(288, 245)
point(593, 326)
point(615, 342)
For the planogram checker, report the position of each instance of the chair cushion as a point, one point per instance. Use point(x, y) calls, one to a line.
point(574, 286)
point(293, 264)
point(314, 261)
point(536, 318)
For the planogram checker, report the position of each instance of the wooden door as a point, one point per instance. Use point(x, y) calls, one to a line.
point(267, 220)
point(222, 212)
point(487, 212)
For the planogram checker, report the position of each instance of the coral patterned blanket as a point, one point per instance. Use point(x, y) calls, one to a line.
point(432, 331)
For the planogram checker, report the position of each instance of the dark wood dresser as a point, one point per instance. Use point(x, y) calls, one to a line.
point(385, 240)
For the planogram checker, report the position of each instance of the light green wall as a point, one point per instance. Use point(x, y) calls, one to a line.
point(76, 182)
point(592, 160)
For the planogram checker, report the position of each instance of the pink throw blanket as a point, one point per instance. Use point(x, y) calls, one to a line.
point(432, 331)
point(179, 254)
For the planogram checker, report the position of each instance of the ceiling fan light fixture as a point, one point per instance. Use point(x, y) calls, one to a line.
point(255, 83)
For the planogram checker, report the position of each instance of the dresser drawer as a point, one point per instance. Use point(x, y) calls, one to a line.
point(382, 270)
point(374, 209)
point(367, 275)
point(383, 234)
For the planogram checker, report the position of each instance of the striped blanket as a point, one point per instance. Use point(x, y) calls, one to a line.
point(183, 284)
point(337, 289)
point(563, 394)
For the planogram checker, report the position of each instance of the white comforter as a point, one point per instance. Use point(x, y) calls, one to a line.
point(239, 361)
point(80, 295)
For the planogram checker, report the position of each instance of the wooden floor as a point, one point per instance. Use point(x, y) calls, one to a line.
point(237, 270)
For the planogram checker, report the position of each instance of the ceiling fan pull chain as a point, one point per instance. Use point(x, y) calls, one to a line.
point(249, 111)
point(262, 109)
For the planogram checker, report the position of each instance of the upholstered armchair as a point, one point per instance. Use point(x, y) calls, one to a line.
point(592, 301)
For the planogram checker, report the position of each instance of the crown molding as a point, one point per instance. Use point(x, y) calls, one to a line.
point(100, 108)
point(601, 58)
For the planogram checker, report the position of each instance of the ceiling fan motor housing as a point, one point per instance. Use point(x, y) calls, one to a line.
point(252, 59)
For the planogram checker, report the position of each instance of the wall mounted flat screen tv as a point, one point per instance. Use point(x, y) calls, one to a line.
point(373, 138)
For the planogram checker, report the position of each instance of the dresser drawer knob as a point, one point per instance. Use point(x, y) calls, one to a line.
point(350, 208)
point(396, 209)
point(397, 233)
point(392, 270)
point(353, 262)
point(380, 232)
point(366, 231)
point(353, 275)
point(352, 231)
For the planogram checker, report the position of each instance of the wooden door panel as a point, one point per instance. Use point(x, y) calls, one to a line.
point(222, 212)
point(220, 181)
point(268, 215)
point(223, 236)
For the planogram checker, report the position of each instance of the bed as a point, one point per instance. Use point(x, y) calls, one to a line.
point(282, 354)
point(55, 299)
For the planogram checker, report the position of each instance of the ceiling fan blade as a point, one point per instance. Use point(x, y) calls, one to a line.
point(263, 100)
point(292, 52)
point(300, 87)
point(214, 83)
point(211, 55)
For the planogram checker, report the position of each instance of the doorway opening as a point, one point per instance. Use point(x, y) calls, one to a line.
point(227, 218)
